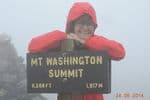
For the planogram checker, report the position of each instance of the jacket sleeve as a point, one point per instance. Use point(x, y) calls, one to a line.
point(46, 41)
point(115, 49)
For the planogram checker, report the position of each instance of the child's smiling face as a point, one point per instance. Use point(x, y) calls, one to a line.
point(84, 27)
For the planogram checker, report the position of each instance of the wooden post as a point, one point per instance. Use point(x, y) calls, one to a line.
point(67, 45)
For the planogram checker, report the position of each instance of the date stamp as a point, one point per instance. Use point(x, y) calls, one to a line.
point(128, 95)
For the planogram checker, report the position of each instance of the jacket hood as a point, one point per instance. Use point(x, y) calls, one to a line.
point(78, 9)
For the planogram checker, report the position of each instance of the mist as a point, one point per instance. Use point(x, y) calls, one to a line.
point(126, 21)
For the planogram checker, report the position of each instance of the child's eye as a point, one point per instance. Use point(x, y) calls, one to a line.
point(79, 23)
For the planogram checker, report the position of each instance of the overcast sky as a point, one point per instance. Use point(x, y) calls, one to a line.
point(127, 21)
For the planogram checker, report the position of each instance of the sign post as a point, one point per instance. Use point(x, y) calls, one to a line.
point(67, 45)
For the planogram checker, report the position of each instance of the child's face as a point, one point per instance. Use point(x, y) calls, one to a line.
point(84, 27)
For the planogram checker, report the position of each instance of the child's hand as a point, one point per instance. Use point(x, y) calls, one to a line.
point(75, 37)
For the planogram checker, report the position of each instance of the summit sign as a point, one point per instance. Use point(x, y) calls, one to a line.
point(68, 72)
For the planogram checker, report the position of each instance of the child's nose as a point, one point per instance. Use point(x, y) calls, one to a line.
point(85, 27)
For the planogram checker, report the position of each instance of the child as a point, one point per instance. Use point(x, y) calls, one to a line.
point(81, 25)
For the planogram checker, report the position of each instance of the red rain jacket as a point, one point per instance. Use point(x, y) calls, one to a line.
point(51, 40)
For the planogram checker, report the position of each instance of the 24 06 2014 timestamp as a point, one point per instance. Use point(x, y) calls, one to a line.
point(129, 95)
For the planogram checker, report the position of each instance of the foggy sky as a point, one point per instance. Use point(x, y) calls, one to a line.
point(126, 21)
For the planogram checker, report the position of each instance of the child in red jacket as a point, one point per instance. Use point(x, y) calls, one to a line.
point(81, 25)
